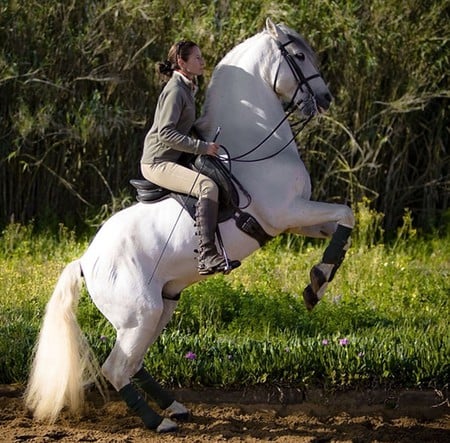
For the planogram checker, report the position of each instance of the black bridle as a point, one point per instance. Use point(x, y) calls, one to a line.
point(296, 71)
point(291, 107)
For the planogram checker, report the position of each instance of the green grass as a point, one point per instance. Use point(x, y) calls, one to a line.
point(383, 321)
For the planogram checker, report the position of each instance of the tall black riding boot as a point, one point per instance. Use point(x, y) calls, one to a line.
point(209, 259)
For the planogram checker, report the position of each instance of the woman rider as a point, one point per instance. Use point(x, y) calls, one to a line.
point(169, 137)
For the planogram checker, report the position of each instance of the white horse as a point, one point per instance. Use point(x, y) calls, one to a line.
point(143, 257)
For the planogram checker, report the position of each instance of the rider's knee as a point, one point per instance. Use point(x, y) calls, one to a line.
point(209, 189)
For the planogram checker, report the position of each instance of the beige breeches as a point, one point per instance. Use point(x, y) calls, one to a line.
point(178, 178)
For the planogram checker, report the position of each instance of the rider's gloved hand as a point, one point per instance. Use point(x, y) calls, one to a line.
point(213, 149)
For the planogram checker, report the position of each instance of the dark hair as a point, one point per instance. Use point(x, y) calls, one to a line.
point(181, 49)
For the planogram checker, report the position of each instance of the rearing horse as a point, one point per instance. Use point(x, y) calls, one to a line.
point(143, 256)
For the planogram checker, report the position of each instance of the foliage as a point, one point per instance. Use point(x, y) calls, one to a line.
point(78, 90)
point(383, 321)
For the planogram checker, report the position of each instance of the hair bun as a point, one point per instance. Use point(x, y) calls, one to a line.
point(165, 68)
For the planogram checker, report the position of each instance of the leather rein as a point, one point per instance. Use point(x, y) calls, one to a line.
point(291, 107)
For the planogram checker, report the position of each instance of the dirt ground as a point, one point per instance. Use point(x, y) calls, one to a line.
point(256, 415)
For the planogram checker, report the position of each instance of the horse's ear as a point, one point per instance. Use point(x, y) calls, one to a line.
point(275, 31)
point(271, 28)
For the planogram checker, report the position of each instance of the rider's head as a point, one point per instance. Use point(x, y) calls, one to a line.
point(184, 56)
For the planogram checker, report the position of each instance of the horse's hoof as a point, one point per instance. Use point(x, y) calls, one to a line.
point(310, 298)
point(180, 415)
point(318, 279)
point(177, 411)
point(167, 425)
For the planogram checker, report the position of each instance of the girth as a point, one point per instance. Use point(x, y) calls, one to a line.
point(212, 167)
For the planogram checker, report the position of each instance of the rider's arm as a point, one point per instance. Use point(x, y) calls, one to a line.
point(175, 119)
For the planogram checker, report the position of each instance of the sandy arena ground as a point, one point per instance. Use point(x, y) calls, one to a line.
point(257, 415)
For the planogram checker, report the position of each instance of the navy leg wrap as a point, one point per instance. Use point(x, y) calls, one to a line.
point(335, 252)
point(335, 249)
point(153, 388)
point(137, 404)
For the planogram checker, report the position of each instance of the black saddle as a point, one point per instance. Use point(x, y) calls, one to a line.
point(148, 192)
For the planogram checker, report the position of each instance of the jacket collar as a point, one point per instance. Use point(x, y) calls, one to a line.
point(191, 85)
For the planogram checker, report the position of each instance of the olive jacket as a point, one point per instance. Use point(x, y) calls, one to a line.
point(174, 117)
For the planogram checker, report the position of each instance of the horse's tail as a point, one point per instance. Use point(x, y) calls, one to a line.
point(63, 360)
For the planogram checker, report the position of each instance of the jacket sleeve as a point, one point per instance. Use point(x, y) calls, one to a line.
point(170, 113)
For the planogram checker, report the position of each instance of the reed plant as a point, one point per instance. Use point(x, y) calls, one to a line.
point(78, 90)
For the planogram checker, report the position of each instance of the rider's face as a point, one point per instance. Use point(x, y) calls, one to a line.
point(194, 64)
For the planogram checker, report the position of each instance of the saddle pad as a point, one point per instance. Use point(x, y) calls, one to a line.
point(212, 167)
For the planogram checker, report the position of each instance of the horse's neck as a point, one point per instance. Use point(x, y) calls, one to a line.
point(240, 91)
point(240, 100)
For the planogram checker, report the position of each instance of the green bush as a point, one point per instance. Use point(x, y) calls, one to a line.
point(383, 321)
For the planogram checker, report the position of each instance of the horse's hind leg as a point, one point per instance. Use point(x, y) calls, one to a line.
point(125, 360)
point(148, 384)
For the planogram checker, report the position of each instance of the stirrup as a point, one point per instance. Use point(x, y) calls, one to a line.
point(224, 268)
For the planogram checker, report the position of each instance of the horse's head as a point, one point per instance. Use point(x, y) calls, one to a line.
point(296, 79)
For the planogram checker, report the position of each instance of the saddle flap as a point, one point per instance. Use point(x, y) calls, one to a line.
point(214, 168)
point(143, 185)
point(210, 166)
point(148, 191)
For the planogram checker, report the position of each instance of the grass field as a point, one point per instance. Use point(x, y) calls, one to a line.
point(383, 321)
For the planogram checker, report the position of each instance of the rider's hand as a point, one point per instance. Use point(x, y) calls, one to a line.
point(213, 149)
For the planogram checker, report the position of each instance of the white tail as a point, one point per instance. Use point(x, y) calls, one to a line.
point(63, 360)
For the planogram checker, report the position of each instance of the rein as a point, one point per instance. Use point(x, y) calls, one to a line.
point(301, 80)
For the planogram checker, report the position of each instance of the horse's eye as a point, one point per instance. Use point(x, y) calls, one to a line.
point(300, 56)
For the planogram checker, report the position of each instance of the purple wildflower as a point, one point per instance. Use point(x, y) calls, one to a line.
point(324, 341)
point(343, 341)
point(190, 355)
point(103, 338)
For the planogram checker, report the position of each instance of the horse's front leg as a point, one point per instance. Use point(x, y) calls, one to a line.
point(322, 230)
point(322, 220)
